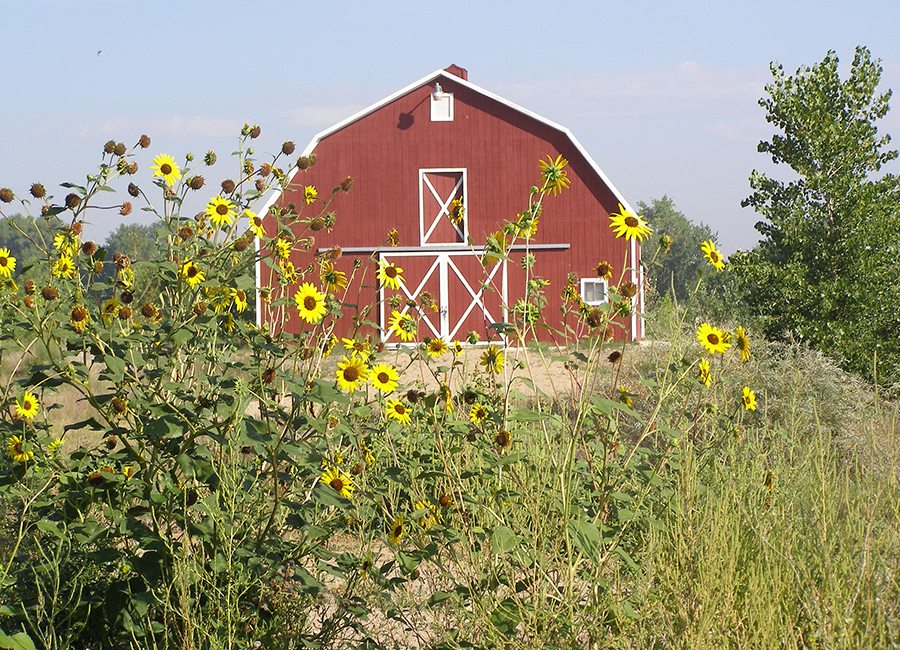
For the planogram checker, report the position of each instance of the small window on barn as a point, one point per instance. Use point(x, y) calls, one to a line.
point(441, 105)
point(593, 291)
point(442, 207)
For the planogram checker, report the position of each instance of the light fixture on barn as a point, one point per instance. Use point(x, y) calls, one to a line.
point(438, 93)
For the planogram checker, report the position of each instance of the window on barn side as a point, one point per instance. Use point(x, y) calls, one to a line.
point(442, 107)
point(594, 291)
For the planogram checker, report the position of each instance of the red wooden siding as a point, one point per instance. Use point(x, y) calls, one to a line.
point(499, 149)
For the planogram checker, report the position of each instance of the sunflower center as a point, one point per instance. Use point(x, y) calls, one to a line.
point(240, 295)
point(4, 261)
point(713, 339)
point(165, 169)
point(390, 271)
point(398, 530)
point(351, 374)
point(222, 209)
point(79, 314)
point(399, 409)
point(18, 448)
point(631, 222)
point(309, 302)
point(383, 377)
point(192, 271)
point(337, 484)
point(27, 405)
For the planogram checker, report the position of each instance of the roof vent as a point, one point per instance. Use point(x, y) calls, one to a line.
point(454, 69)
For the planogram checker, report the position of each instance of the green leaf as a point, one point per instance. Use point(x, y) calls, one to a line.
point(116, 368)
point(504, 540)
point(18, 641)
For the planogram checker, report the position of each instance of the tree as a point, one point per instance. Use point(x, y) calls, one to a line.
point(826, 269)
point(139, 243)
point(678, 268)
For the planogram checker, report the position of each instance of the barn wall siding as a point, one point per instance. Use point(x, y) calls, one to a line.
point(498, 146)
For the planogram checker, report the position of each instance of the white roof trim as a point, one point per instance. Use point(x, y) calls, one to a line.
point(426, 80)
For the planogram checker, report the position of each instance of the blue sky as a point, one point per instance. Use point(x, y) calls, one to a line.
point(663, 95)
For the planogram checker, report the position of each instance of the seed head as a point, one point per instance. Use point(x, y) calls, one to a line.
point(628, 289)
point(260, 185)
point(317, 223)
point(123, 262)
point(29, 287)
point(269, 375)
point(186, 232)
point(6, 195)
point(132, 168)
point(265, 169)
point(133, 190)
point(125, 313)
point(77, 227)
point(196, 182)
point(210, 158)
point(49, 293)
point(120, 149)
point(614, 356)
point(241, 244)
point(228, 186)
point(126, 209)
point(29, 302)
point(144, 142)
point(109, 147)
point(127, 297)
point(254, 132)
point(594, 318)
point(200, 308)
point(89, 248)
point(38, 191)
point(287, 148)
point(73, 201)
point(346, 184)
point(148, 310)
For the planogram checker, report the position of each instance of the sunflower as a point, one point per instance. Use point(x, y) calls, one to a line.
point(703, 369)
point(192, 274)
point(283, 247)
point(604, 270)
point(397, 530)
point(55, 445)
point(339, 481)
point(714, 340)
point(403, 325)
point(457, 212)
point(7, 263)
point(384, 377)
point(16, 450)
point(110, 309)
point(310, 193)
point(329, 346)
point(712, 256)
point(220, 211)
point(436, 347)
point(288, 272)
point(351, 373)
point(749, 398)
point(219, 298)
point(333, 280)
point(256, 224)
point(626, 223)
point(554, 174)
point(396, 411)
point(503, 440)
point(742, 343)
point(79, 318)
point(444, 394)
point(360, 349)
point(394, 237)
point(164, 166)
point(492, 359)
point(390, 275)
point(625, 396)
point(27, 408)
point(227, 322)
point(430, 517)
point(478, 414)
point(64, 267)
point(310, 303)
point(240, 300)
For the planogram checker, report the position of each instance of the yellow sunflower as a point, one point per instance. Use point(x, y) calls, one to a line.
point(310, 303)
point(339, 481)
point(478, 414)
point(64, 267)
point(394, 237)
point(554, 174)
point(384, 377)
point(713, 256)
point(219, 298)
point(625, 396)
point(15, 447)
point(351, 373)
point(403, 325)
point(164, 166)
point(362, 349)
point(749, 398)
point(397, 529)
point(390, 275)
point(446, 397)
point(192, 274)
point(220, 211)
point(713, 339)
point(742, 343)
point(703, 369)
point(457, 212)
point(79, 318)
point(288, 272)
point(7, 263)
point(283, 247)
point(436, 347)
point(240, 300)
point(492, 359)
point(397, 411)
point(256, 224)
point(457, 348)
point(626, 223)
point(332, 279)
point(310, 193)
point(430, 517)
point(604, 270)
point(27, 408)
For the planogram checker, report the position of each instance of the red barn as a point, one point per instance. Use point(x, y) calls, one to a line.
point(412, 155)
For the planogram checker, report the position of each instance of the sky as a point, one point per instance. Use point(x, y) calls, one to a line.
point(663, 95)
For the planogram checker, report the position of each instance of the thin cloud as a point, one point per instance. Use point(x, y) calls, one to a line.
point(174, 126)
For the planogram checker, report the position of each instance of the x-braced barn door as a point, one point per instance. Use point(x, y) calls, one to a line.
point(467, 296)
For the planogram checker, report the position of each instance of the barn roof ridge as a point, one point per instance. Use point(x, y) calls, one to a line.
point(475, 88)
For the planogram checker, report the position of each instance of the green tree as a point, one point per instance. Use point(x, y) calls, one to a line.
point(826, 269)
point(678, 268)
point(139, 243)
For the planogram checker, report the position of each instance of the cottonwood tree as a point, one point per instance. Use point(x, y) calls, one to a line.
point(826, 268)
